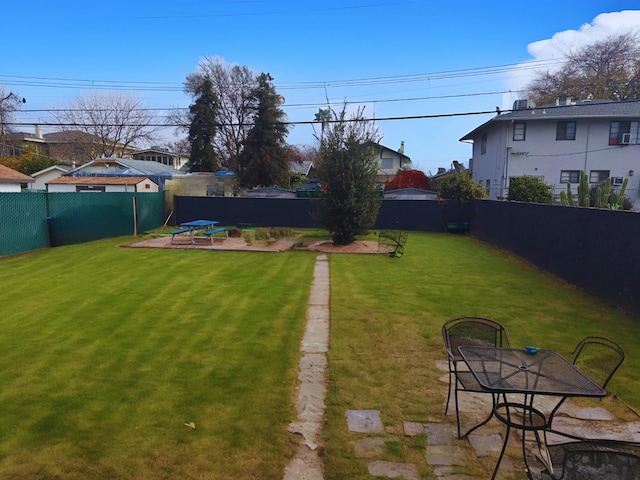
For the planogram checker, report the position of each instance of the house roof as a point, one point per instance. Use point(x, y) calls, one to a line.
point(17, 137)
point(131, 167)
point(302, 167)
point(98, 180)
point(68, 136)
point(61, 168)
point(582, 109)
point(9, 175)
point(161, 150)
point(404, 157)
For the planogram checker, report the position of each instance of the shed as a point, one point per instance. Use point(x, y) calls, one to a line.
point(410, 194)
point(102, 184)
point(271, 192)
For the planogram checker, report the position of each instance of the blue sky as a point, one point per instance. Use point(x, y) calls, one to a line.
point(396, 58)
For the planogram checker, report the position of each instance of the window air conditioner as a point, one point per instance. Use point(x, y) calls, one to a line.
point(617, 180)
point(626, 139)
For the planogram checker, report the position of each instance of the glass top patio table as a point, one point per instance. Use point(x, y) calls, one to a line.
point(507, 371)
point(510, 370)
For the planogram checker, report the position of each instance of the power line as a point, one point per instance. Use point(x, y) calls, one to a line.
point(96, 84)
point(310, 122)
point(302, 105)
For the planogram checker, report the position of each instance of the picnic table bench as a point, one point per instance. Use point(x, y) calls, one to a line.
point(178, 232)
point(211, 233)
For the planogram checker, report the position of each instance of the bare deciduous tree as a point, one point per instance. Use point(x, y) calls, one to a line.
point(108, 125)
point(233, 84)
point(9, 103)
point(604, 70)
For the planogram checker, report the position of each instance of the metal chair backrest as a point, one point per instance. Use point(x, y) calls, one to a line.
point(475, 331)
point(597, 459)
point(599, 358)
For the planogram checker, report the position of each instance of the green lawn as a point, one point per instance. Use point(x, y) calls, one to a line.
point(108, 352)
point(386, 333)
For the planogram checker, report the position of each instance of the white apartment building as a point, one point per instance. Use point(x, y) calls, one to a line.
point(555, 142)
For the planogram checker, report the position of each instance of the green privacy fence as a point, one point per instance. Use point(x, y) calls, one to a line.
point(32, 220)
point(23, 222)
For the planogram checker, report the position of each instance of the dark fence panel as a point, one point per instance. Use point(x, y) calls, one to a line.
point(593, 249)
point(413, 215)
point(262, 212)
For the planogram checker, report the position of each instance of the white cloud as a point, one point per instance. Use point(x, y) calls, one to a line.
point(562, 43)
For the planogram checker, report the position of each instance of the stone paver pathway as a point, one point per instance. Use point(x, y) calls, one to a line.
point(307, 463)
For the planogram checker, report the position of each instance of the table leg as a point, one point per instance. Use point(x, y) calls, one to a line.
point(533, 420)
point(506, 438)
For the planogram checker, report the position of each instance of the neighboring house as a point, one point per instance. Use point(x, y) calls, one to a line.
point(164, 156)
point(18, 143)
point(12, 180)
point(303, 168)
point(124, 167)
point(456, 169)
point(390, 161)
point(46, 175)
point(72, 147)
point(555, 142)
point(102, 184)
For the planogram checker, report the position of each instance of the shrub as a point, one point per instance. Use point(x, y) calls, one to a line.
point(530, 189)
point(234, 232)
point(461, 187)
point(261, 234)
point(409, 179)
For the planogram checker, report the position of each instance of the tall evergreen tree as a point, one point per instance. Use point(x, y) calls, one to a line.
point(347, 167)
point(265, 159)
point(202, 128)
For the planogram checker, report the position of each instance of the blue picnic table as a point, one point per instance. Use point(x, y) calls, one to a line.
point(194, 225)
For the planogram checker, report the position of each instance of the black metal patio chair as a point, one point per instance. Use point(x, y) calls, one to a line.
point(594, 460)
point(598, 357)
point(476, 331)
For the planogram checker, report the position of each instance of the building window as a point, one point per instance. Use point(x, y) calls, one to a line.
point(487, 185)
point(519, 131)
point(387, 163)
point(566, 131)
point(570, 176)
point(616, 130)
point(598, 176)
point(624, 133)
point(483, 144)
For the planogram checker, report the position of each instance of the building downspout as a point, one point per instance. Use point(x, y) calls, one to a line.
point(586, 149)
point(506, 163)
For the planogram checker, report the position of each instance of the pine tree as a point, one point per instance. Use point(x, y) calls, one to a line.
point(264, 159)
point(202, 128)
